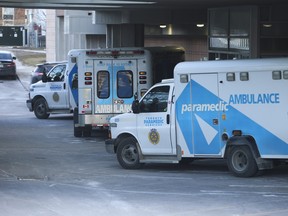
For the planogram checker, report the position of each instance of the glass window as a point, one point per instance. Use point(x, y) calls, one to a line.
point(156, 100)
point(240, 21)
point(276, 75)
point(285, 74)
point(239, 43)
point(221, 43)
point(229, 30)
point(218, 19)
point(57, 73)
point(244, 76)
point(75, 81)
point(230, 76)
point(103, 83)
point(125, 84)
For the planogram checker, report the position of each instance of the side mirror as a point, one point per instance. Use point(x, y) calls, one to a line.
point(135, 96)
point(136, 107)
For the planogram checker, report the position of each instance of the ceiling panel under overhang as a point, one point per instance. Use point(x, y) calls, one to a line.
point(130, 4)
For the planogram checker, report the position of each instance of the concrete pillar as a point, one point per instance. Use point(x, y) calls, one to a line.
point(125, 35)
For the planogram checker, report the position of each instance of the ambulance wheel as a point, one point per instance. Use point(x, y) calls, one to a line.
point(87, 132)
point(40, 109)
point(77, 132)
point(241, 162)
point(127, 154)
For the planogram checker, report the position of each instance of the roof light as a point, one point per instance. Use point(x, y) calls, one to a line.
point(91, 52)
point(115, 53)
point(139, 52)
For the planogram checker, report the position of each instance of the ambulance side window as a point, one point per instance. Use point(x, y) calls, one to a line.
point(124, 84)
point(103, 83)
point(156, 100)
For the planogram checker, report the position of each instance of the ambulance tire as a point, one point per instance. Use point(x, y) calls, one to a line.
point(87, 132)
point(241, 162)
point(78, 132)
point(40, 109)
point(127, 154)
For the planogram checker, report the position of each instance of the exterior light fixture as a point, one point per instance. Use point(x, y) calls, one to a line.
point(200, 25)
point(163, 26)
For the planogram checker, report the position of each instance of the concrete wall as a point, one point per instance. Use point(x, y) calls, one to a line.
point(68, 30)
point(51, 35)
point(85, 29)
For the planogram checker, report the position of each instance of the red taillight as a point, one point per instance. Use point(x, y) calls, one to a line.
point(91, 52)
point(115, 53)
point(12, 64)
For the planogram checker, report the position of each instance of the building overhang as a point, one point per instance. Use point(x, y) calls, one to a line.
point(130, 4)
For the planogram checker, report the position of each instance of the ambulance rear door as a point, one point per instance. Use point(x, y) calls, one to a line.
point(116, 83)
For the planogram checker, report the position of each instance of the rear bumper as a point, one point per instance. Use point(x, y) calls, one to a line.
point(110, 146)
point(7, 72)
point(29, 105)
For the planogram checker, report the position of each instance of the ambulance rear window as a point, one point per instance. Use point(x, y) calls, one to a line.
point(124, 84)
point(103, 83)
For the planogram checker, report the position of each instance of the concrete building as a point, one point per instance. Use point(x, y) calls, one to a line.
point(252, 31)
point(22, 27)
point(12, 26)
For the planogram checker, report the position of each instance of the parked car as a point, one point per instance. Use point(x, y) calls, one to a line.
point(7, 64)
point(40, 69)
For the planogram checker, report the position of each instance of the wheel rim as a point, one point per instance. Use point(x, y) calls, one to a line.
point(130, 154)
point(240, 161)
point(40, 109)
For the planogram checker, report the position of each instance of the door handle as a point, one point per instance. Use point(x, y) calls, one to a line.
point(168, 119)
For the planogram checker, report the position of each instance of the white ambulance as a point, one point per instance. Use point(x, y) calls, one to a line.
point(53, 93)
point(108, 79)
point(232, 109)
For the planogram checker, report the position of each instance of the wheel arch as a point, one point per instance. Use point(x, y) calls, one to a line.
point(246, 140)
point(123, 136)
point(35, 98)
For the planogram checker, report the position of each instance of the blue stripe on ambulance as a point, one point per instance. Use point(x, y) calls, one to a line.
point(71, 76)
point(207, 135)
